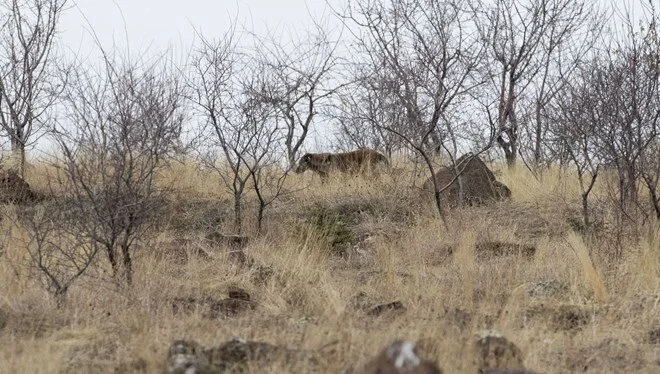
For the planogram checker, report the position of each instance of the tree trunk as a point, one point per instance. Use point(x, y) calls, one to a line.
point(537, 136)
point(60, 296)
point(511, 158)
point(260, 215)
point(238, 214)
point(110, 250)
point(18, 151)
point(585, 210)
point(653, 195)
point(509, 148)
point(128, 264)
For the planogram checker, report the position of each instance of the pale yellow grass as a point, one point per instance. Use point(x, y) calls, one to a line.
point(308, 302)
point(591, 274)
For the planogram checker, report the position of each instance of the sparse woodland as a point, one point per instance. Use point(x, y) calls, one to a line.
point(168, 205)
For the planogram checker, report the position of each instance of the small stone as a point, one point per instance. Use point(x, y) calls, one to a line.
point(494, 351)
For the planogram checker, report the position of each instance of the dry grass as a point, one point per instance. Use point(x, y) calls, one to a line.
point(595, 315)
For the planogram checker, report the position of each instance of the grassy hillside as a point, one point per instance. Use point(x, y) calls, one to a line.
point(518, 267)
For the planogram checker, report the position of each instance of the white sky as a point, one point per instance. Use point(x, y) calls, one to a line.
point(154, 25)
point(151, 26)
point(158, 24)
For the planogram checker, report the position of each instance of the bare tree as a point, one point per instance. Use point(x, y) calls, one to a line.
point(301, 80)
point(363, 115)
point(575, 130)
point(421, 60)
point(566, 44)
point(29, 82)
point(56, 251)
point(267, 174)
point(613, 106)
point(121, 121)
point(651, 175)
point(523, 37)
point(650, 160)
point(628, 92)
point(246, 137)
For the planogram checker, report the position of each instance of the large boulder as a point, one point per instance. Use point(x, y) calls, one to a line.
point(14, 189)
point(478, 183)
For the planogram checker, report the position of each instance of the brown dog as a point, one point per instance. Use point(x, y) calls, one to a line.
point(354, 162)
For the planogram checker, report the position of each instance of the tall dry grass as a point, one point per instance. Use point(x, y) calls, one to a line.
point(401, 251)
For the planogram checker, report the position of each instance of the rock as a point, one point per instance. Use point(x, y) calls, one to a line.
point(494, 351)
point(506, 371)
point(186, 357)
point(400, 357)
point(238, 294)
point(189, 357)
point(379, 310)
point(479, 183)
point(14, 189)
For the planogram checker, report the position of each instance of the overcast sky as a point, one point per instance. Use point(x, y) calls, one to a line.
point(157, 24)
point(154, 25)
